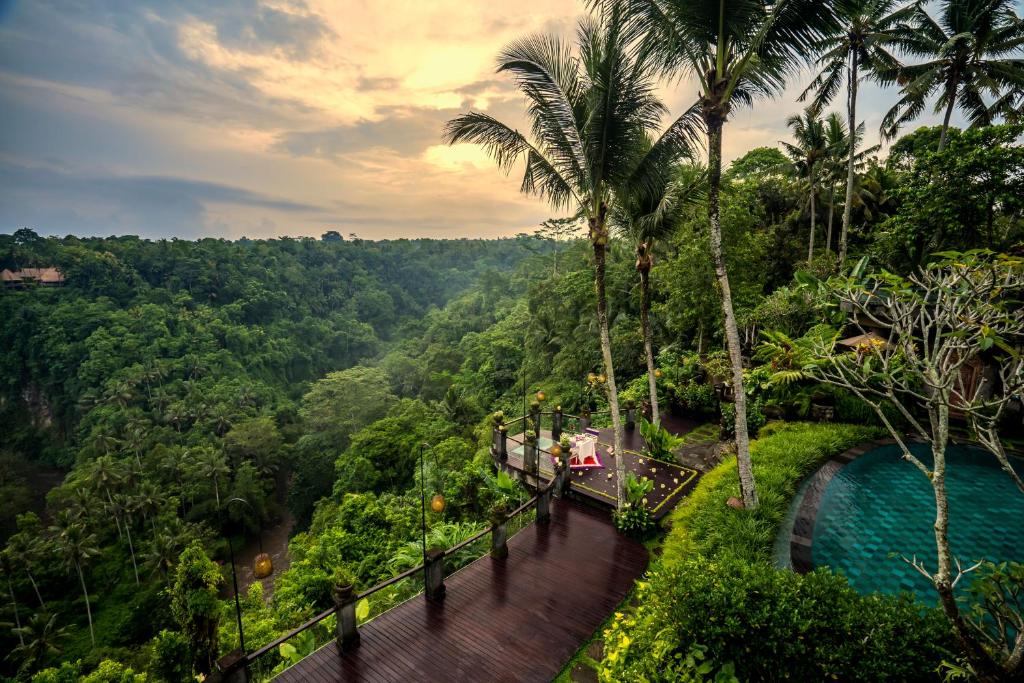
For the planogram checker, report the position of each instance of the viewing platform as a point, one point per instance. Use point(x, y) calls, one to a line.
point(597, 483)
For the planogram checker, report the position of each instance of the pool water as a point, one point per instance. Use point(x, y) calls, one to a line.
point(880, 505)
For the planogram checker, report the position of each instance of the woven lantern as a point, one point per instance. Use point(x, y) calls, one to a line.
point(541, 396)
point(556, 450)
point(437, 503)
point(263, 566)
point(658, 373)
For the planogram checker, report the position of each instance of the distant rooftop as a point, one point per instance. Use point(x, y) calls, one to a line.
point(44, 276)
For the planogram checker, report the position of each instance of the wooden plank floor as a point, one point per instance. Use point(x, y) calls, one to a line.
point(518, 619)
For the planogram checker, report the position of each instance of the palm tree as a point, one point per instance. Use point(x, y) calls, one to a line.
point(26, 547)
point(163, 553)
point(38, 640)
point(810, 149)
point(124, 505)
point(7, 568)
point(104, 473)
point(840, 151)
point(211, 465)
point(971, 50)
point(738, 50)
point(869, 28)
point(646, 218)
point(590, 117)
point(77, 546)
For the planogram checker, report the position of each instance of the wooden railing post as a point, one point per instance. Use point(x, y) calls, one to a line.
point(499, 442)
point(531, 462)
point(544, 506)
point(584, 421)
point(631, 418)
point(556, 424)
point(563, 477)
point(499, 539)
point(434, 572)
point(346, 631)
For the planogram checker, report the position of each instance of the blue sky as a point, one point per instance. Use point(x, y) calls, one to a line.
point(189, 118)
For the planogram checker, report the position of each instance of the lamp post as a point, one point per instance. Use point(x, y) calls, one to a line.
point(436, 504)
point(234, 574)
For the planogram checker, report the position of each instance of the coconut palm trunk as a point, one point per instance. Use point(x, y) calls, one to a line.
point(810, 242)
point(831, 213)
point(35, 587)
point(851, 125)
point(732, 335)
point(599, 232)
point(644, 267)
point(14, 606)
point(951, 95)
point(88, 608)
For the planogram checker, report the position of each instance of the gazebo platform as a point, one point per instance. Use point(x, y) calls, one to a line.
point(671, 482)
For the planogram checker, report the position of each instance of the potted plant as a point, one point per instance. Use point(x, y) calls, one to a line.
point(342, 586)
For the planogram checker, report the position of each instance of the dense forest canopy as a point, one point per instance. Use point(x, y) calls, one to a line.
point(166, 403)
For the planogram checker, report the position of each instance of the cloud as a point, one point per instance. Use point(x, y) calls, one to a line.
point(148, 205)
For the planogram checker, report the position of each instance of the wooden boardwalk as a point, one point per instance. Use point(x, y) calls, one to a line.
point(517, 619)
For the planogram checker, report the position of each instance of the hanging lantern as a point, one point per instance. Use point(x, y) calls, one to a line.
point(437, 503)
point(658, 373)
point(263, 566)
point(541, 396)
point(556, 450)
point(602, 378)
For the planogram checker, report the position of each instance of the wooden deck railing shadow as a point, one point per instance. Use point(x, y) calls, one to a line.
point(260, 665)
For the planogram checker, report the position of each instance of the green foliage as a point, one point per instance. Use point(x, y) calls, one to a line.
point(195, 605)
point(635, 517)
point(755, 419)
point(996, 600)
point(67, 672)
point(806, 627)
point(110, 671)
point(969, 195)
point(660, 443)
point(171, 660)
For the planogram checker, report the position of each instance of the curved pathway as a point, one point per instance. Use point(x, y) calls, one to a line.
point(517, 619)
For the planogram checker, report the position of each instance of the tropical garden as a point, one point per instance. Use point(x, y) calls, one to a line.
point(174, 399)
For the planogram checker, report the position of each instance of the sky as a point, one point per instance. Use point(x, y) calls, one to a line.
point(265, 118)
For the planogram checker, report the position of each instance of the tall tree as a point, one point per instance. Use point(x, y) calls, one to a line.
point(77, 546)
point(738, 50)
point(645, 218)
point(972, 50)
point(870, 27)
point(808, 151)
point(590, 115)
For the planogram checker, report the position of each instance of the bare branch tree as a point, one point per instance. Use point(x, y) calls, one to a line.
point(920, 337)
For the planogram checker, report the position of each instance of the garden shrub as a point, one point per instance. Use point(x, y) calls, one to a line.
point(771, 624)
point(786, 453)
point(755, 419)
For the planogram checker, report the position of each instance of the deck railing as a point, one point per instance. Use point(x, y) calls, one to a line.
point(259, 664)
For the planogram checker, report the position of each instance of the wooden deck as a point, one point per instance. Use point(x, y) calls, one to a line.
point(517, 619)
point(671, 482)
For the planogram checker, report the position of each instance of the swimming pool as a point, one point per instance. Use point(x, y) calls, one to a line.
point(879, 507)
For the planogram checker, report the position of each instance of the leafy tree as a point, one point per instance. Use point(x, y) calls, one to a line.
point(591, 116)
point(195, 605)
point(869, 29)
point(971, 50)
point(344, 402)
point(739, 51)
